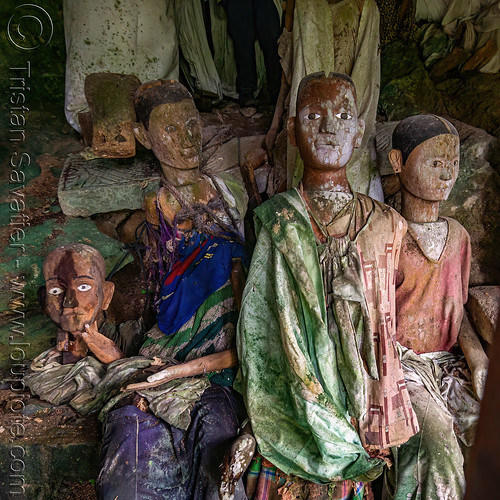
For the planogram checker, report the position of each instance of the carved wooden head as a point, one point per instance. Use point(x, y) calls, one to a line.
point(426, 155)
point(327, 128)
point(169, 124)
point(76, 290)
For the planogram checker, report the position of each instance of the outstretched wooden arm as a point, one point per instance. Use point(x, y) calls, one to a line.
point(474, 354)
point(205, 364)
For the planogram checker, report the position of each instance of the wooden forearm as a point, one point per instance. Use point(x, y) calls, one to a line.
point(205, 364)
point(470, 344)
point(238, 281)
point(474, 354)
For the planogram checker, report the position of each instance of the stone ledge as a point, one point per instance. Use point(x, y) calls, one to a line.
point(44, 447)
point(88, 187)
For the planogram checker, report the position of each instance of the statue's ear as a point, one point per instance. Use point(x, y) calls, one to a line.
point(42, 297)
point(141, 134)
point(361, 132)
point(290, 128)
point(108, 291)
point(396, 160)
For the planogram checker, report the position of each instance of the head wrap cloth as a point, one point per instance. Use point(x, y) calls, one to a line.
point(415, 130)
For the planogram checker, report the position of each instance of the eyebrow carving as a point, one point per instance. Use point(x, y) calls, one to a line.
point(57, 278)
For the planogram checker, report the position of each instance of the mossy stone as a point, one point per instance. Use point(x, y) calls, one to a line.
point(35, 331)
point(406, 88)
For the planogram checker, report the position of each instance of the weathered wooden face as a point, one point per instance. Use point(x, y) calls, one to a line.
point(75, 288)
point(174, 132)
point(431, 169)
point(327, 128)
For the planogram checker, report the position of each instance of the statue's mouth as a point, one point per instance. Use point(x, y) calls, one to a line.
point(326, 141)
point(189, 152)
point(72, 314)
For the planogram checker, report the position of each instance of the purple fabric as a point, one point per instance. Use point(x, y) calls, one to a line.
point(144, 458)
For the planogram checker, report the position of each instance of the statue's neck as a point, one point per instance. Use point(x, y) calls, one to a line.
point(177, 177)
point(325, 180)
point(415, 209)
point(431, 237)
point(326, 194)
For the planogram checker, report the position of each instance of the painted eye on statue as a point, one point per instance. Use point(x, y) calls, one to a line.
point(84, 287)
point(55, 290)
point(312, 116)
point(170, 128)
point(436, 163)
point(343, 116)
point(455, 163)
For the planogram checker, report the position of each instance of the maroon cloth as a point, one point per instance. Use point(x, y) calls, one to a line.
point(430, 295)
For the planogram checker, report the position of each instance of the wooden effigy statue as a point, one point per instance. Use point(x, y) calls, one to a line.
point(194, 220)
point(74, 297)
point(193, 227)
point(432, 286)
point(319, 366)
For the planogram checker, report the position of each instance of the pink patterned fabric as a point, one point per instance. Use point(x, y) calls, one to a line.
point(430, 296)
point(390, 419)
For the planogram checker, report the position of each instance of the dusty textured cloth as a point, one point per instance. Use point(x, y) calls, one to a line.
point(431, 294)
point(302, 490)
point(194, 45)
point(430, 302)
point(211, 329)
point(481, 21)
point(89, 386)
point(289, 362)
point(339, 37)
point(272, 484)
point(59, 384)
point(143, 458)
point(120, 37)
point(206, 71)
point(430, 466)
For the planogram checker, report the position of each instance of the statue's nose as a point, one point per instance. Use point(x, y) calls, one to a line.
point(446, 174)
point(188, 139)
point(70, 300)
point(327, 124)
